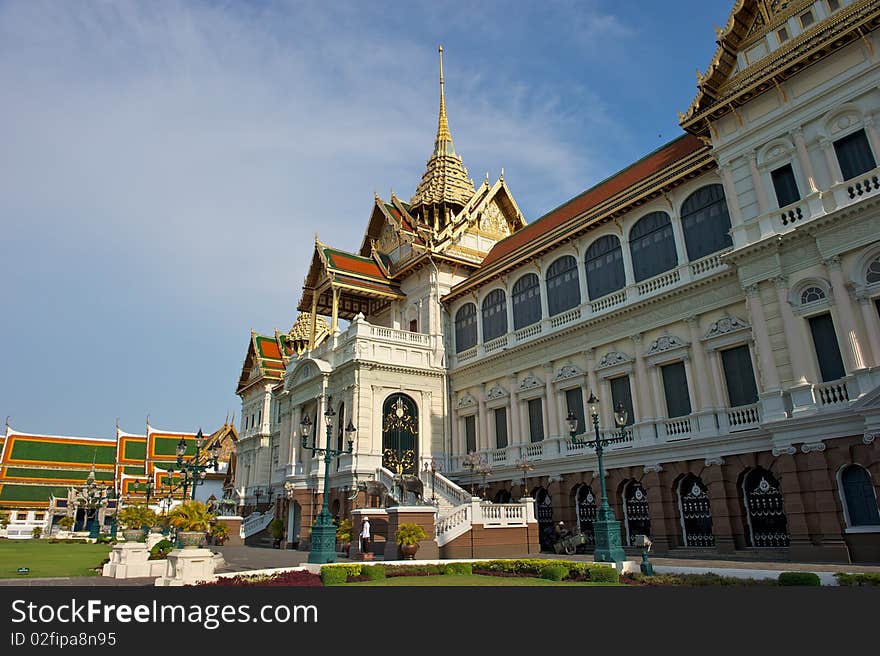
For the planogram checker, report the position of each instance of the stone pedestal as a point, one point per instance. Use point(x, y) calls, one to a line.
point(186, 566)
point(130, 560)
point(421, 515)
point(233, 523)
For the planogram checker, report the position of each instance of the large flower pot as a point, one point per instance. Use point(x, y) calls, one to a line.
point(408, 551)
point(191, 539)
point(133, 535)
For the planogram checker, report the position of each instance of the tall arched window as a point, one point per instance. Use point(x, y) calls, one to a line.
point(466, 328)
point(872, 274)
point(696, 512)
point(604, 262)
point(636, 513)
point(586, 512)
point(400, 434)
point(706, 222)
point(494, 315)
point(652, 246)
point(859, 496)
point(765, 510)
point(526, 296)
point(563, 288)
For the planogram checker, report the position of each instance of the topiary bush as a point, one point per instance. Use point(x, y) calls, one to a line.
point(333, 575)
point(602, 574)
point(554, 572)
point(457, 569)
point(161, 549)
point(799, 578)
point(373, 572)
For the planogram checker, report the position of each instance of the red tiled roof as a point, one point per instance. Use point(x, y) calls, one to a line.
point(644, 168)
point(269, 348)
point(353, 264)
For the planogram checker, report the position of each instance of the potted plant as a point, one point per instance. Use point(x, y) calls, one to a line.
point(407, 538)
point(343, 535)
point(192, 519)
point(276, 529)
point(66, 523)
point(133, 519)
point(219, 533)
point(37, 532)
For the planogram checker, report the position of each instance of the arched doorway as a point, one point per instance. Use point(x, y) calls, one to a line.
point(696, 512)
point(502, 496)
point(294, 521)
point(400, 432)
point(636, 514)
point(586, 513)
point(544, 515)
point(765, 512)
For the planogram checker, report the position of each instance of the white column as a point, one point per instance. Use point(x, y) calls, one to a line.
point(872, 326)
point(295, 416)
point(640, 386)
point(831, 161)
point(769, 375)
point(457, 446)
point(483, 441)
point(730, 194)
point(804, 158)
point(582, 276)
point(701, 394)
point(757, 183)
point(714, 358)
point(852, 347)
point(628, 272)
point(794, 336)
point(552, 418)
point(657, 384)
point(678, 235)
point(692, 388)
point(542, 285)
point(606, 405)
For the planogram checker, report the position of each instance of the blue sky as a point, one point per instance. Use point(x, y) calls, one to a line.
point(165, 165)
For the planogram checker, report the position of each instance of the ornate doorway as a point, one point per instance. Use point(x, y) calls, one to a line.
point(768, 526)
point(696, 513)
point(544, 515)
point(400, 433)
point(586, 512)
point(636, 514)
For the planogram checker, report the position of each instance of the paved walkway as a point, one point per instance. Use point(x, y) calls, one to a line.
point(90, 581)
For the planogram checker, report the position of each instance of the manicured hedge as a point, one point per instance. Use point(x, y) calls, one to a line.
point(460, 569)
point(554, 571)
point(799, 578)
point(333, 575)
point(709, 578)
point(373, 572)
point(857, 579)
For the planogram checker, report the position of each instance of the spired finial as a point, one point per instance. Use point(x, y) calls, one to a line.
point(443, 143)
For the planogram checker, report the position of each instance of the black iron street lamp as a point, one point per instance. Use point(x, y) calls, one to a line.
point(432, 467)
point(146, 487)
point(197, 471)
point(258, 492)
point(606, 528)
point(526, 467)
point(322, 547)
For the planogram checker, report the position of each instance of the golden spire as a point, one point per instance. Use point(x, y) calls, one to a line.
point(443, 143)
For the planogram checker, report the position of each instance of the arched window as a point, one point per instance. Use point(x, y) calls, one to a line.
point(859, 496)
point(636, 513)
point(812, 295)
point(563, 288)
point(526, 297)
point(544, 515)
point(586, 512)
point(494, 315)
point(466, 328)
point(872, 275)
point(706, 222)
point(604, 262)
point(400, 434)
point(652, 246)
point(768, 526)
point(696, 512)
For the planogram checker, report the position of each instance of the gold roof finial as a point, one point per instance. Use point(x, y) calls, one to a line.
point(444, 137)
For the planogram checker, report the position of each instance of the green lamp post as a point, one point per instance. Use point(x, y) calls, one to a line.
point(196, 470)
point(322, 547)
point(606, 528)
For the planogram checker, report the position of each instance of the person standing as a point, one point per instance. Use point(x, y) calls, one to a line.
point(365, 536)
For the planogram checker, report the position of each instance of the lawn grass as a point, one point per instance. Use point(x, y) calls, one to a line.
point(463, 580)
point(50, 560)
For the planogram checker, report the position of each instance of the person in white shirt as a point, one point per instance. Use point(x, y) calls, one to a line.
point(365, 536)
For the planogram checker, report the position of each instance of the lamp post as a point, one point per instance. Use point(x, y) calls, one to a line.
point(197, 471)
point(526, 467)
point(258, 492)
point(606, 528)
point(432, 467)
point(485, 471)
point(322, 547)
point(146, 487)
point(473, 461)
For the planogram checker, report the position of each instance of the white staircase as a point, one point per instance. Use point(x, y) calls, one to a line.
point(254, 523)
point(447, 495)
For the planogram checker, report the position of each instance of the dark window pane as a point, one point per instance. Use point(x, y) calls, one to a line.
point(785, 185)
point(604, 262)
point(536, 421)
point(501, 428)
point(678, 402)
point(706, 222)
point(563, 288)
point(470, 433)
point(854, 155)
point(494, 315)
point(574, 402)
point(652, 246)
point(621, 393)
point(466, 328)
point(526, 297)
point(861, 501)
point(827, 349)
point(739, 375)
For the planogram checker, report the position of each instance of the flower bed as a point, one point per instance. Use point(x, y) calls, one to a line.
point(294, 578)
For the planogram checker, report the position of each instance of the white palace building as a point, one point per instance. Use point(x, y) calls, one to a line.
point(724, 289)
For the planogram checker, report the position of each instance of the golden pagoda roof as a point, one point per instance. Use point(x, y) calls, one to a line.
point(445, 180)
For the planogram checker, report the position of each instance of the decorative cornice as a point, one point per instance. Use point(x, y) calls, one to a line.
point(466, 401)
point(653, 469)
point(666, 342)
point(809, 447)
point(530, 382)
point(726, 324)
point(613, 358)
point(714, 461)
point(869, 437)
point(496, 392)
point(568, 371)
point(783, 450)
